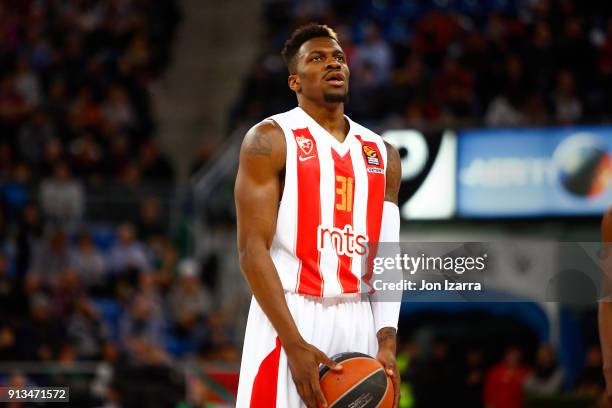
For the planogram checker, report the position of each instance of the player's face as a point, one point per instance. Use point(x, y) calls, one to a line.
point(321, 71)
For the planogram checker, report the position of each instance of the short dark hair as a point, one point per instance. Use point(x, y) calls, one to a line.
point(300, 36)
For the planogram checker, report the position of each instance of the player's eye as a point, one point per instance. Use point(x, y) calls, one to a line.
point(316, 58)
point(340, 58)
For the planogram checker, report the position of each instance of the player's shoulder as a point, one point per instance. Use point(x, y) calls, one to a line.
point(272, 126)
point(264, 142)
point(267, 126)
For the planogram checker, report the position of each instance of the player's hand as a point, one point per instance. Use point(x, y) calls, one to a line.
point(387, 347)
point(304, 360)
point(387, 359)
point(608, 389)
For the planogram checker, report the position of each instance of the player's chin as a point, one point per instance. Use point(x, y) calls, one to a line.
point(336, 96)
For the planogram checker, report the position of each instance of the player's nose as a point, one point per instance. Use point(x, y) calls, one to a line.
point(332, 63)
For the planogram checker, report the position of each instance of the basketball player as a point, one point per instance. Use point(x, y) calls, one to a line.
point(605, 304)
point(306, 176)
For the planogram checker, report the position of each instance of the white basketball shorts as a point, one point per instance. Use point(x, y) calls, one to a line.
point(333, 325)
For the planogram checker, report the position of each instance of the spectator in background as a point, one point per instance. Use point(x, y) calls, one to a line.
point(16, 191)
point(149, 289)
point(118, 110)
point(503, 387)
point(11, 301)
point(54, 152)
point(154, 166)
point(128, 254)
point(26, 83)
point(62, 197)
point(119, 155)
point(547, 377)
point(151, 223)
point(8, 345)
point(66, 290)
point(13, 107)
point(502, 111)
point(473, 379)
point(85, 111)
point(86, 155)
point(42, 334)
point(34, 136)
point(29, 231)
point(348, 46)
point(453, 89)
point(7, 160)
point(56, 103)
point(17, 380)
point(51, 257)
point(86, 330)
point(436, 378)
point(591, 381)
point(540, 56)
point(168, 264)
point(129, 191)
point(505, 109)
point(189, 302)
point(375, 53)
point(568, 107)
point(141, 324)
point(89, 263)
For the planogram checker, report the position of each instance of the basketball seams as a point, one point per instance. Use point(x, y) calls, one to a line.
point(359, 355)
point(387, 390)
point(339, 398)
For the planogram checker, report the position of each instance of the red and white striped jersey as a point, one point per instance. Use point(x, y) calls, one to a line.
point(331, 206)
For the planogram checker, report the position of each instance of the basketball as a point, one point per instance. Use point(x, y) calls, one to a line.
point(361, 383)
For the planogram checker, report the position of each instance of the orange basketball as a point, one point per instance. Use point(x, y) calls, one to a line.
point(361, 383)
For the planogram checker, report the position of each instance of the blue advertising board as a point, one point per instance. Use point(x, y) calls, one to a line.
point(534, 171)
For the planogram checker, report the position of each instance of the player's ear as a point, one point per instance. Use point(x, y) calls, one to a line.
point(294, 82)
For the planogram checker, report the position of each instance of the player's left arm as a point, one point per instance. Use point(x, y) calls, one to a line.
point(386, 313)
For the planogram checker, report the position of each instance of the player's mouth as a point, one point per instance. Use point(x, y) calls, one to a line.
point(335, 78)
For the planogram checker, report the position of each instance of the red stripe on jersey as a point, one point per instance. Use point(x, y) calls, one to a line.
point(344, 199)
point(263, 393)
point(376, 199)
point(310, 279)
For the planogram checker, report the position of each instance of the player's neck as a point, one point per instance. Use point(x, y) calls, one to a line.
point(329, 116)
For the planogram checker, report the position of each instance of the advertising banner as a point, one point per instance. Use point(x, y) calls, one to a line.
point(428, 173)
point(533, 172)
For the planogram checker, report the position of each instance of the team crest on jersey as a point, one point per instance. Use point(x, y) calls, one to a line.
point(305, 144)
point(371, 156)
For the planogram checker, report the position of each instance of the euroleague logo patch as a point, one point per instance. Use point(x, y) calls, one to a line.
point(304, 144)
point(371, 156)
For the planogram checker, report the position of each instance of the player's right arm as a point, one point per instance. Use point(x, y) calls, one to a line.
point(605, 304)
point(257, 194)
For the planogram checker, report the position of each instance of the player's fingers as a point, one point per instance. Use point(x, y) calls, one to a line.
point(329, 362)
point(390, 368)
point(316, 390)
point(306, 394)
point(396, 390)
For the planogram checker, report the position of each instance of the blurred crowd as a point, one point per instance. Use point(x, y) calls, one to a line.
point(89, 269)
point(451, 63)
point(123, 296)
point(75, 110)
point(442, 374)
